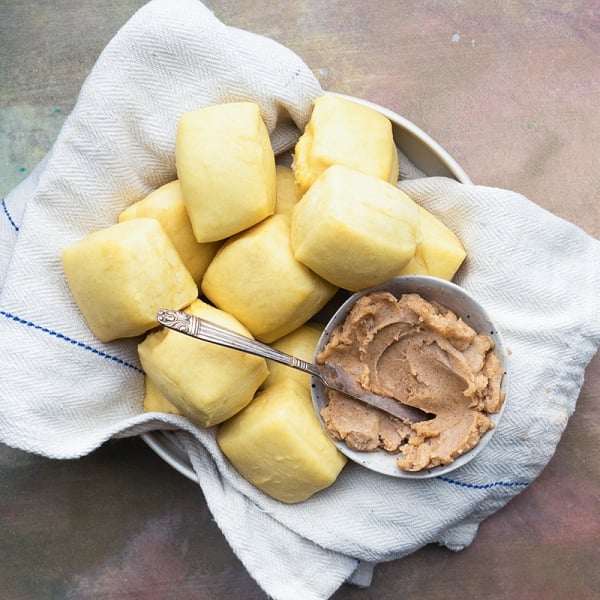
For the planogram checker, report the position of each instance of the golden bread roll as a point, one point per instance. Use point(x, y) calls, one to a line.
point(440, 252)
point(343, 132)
point(121, 275)
point(256, 278)
point(226, 167)
point(286, 190)
point(354, 230)
point(277, 443)
point(300, 343)
point(166, 206)
point(154, 401)
point(206, 382)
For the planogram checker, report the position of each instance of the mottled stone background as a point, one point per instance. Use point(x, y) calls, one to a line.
point(512, 90)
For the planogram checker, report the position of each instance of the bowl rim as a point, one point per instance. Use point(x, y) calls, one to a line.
point(416, 144)
point(476, 316)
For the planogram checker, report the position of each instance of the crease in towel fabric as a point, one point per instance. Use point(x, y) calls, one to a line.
point(524, 264)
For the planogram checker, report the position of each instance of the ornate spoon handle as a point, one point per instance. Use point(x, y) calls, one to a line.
point(209, 332)
point(332, 376)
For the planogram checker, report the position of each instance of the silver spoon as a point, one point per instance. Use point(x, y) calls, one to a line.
point(332, 375)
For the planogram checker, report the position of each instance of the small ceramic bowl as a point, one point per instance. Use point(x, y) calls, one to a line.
point(463, 305)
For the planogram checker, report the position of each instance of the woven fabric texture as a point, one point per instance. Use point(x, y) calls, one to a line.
point(64, 393)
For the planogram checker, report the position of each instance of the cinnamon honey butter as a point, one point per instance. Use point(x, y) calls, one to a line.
point(423, 355)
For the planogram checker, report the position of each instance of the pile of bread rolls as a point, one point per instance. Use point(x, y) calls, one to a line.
point(258, 248)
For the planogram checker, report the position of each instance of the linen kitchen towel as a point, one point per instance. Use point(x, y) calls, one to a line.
point(64, 393)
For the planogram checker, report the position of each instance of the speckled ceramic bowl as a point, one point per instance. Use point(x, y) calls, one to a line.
point(425, 154)
point(462, 304)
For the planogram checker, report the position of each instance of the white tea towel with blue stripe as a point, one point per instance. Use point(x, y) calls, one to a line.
point(64, 393)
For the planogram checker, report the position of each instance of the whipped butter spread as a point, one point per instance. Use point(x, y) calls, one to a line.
point(422, 354)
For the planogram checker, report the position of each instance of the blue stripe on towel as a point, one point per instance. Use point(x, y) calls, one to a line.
point(487, 486)
point(70, 340)
point(10, 220)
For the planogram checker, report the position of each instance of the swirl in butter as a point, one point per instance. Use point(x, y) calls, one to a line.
point(422, 354)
